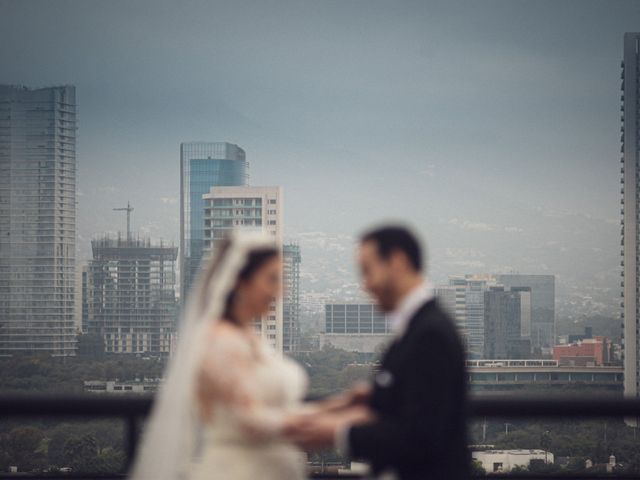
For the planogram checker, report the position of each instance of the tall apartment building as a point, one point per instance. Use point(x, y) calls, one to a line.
point(291, 260)
point(252, 208)
point(203, 165)
point(129, 296)
point(630, 198)
point(37, 220)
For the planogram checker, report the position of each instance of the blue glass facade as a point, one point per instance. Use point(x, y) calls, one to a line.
point(203, 165)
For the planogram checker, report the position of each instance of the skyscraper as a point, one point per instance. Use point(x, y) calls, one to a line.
point(129, 296)
point(630, 188)
point(525, 310)
point(543, 310)
point(37, 219)
point(202, 165)
point(291, 260)
point(251, 208)
point(502, 325)
point(474, 300)
point(464, 300)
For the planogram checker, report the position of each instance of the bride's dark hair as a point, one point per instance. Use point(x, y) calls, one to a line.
point(256, 259)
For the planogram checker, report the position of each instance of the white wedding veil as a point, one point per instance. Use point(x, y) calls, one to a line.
point(168, 441)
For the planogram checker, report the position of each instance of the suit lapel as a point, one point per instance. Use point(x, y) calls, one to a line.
point(391, 364)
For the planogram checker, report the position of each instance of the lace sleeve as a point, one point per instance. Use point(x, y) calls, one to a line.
point(227, 377)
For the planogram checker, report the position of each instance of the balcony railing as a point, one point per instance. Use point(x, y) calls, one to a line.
point(133, 409)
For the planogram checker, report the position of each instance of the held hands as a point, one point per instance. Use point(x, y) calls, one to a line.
point(318, 424)
point(358, 395)
point(318, 430)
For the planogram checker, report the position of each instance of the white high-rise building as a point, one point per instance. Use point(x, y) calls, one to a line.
point(254, 208)
point(463, 298)
point(630, 199)
point(37, 220)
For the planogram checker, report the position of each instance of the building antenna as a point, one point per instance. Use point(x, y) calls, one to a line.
point(127, 209)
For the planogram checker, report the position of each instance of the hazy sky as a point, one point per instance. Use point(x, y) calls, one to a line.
point(493, 126)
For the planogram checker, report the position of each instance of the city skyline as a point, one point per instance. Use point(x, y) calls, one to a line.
point(489, 151)
point(501, 135)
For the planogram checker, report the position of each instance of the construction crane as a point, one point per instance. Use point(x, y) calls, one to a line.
point(127, 209)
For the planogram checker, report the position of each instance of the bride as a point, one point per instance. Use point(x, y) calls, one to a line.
point(228, 398)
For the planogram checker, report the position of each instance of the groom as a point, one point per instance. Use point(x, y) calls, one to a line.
point(418, 398)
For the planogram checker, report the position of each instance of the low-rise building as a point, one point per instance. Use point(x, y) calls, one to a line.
point(114, 386)
point(355, 327)
point(503, 461)
point(594, 351)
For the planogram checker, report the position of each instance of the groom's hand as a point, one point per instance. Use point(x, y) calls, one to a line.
point(359, 393)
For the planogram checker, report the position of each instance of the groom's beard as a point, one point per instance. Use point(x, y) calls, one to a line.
point(386, 298)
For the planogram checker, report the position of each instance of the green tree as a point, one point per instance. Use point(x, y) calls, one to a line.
point(81, 453)
point(24, 448)
point(477, 468)
point(56, 445)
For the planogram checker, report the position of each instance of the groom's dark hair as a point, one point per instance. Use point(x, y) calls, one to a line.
point(395, 238)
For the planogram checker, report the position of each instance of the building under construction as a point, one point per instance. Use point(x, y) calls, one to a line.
point(128, 295)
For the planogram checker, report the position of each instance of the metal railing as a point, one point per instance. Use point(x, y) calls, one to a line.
point(132, 409)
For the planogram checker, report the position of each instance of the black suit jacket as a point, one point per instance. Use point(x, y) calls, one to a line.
point(420, 399)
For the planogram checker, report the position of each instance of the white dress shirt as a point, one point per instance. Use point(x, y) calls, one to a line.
point(399, 320)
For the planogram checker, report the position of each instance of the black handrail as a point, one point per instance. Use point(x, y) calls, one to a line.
point(133, 408)
point(97, 405)
point(574, 407)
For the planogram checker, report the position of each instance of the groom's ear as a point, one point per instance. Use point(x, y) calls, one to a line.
point(399, 260)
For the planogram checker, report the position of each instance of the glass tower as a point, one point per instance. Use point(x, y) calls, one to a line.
point(37, 219)
point(202, 165)
point(503, 325)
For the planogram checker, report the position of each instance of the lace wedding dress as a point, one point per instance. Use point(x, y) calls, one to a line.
point(241, 439)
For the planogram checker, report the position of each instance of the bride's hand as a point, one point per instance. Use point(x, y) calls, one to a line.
point(358, 414)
